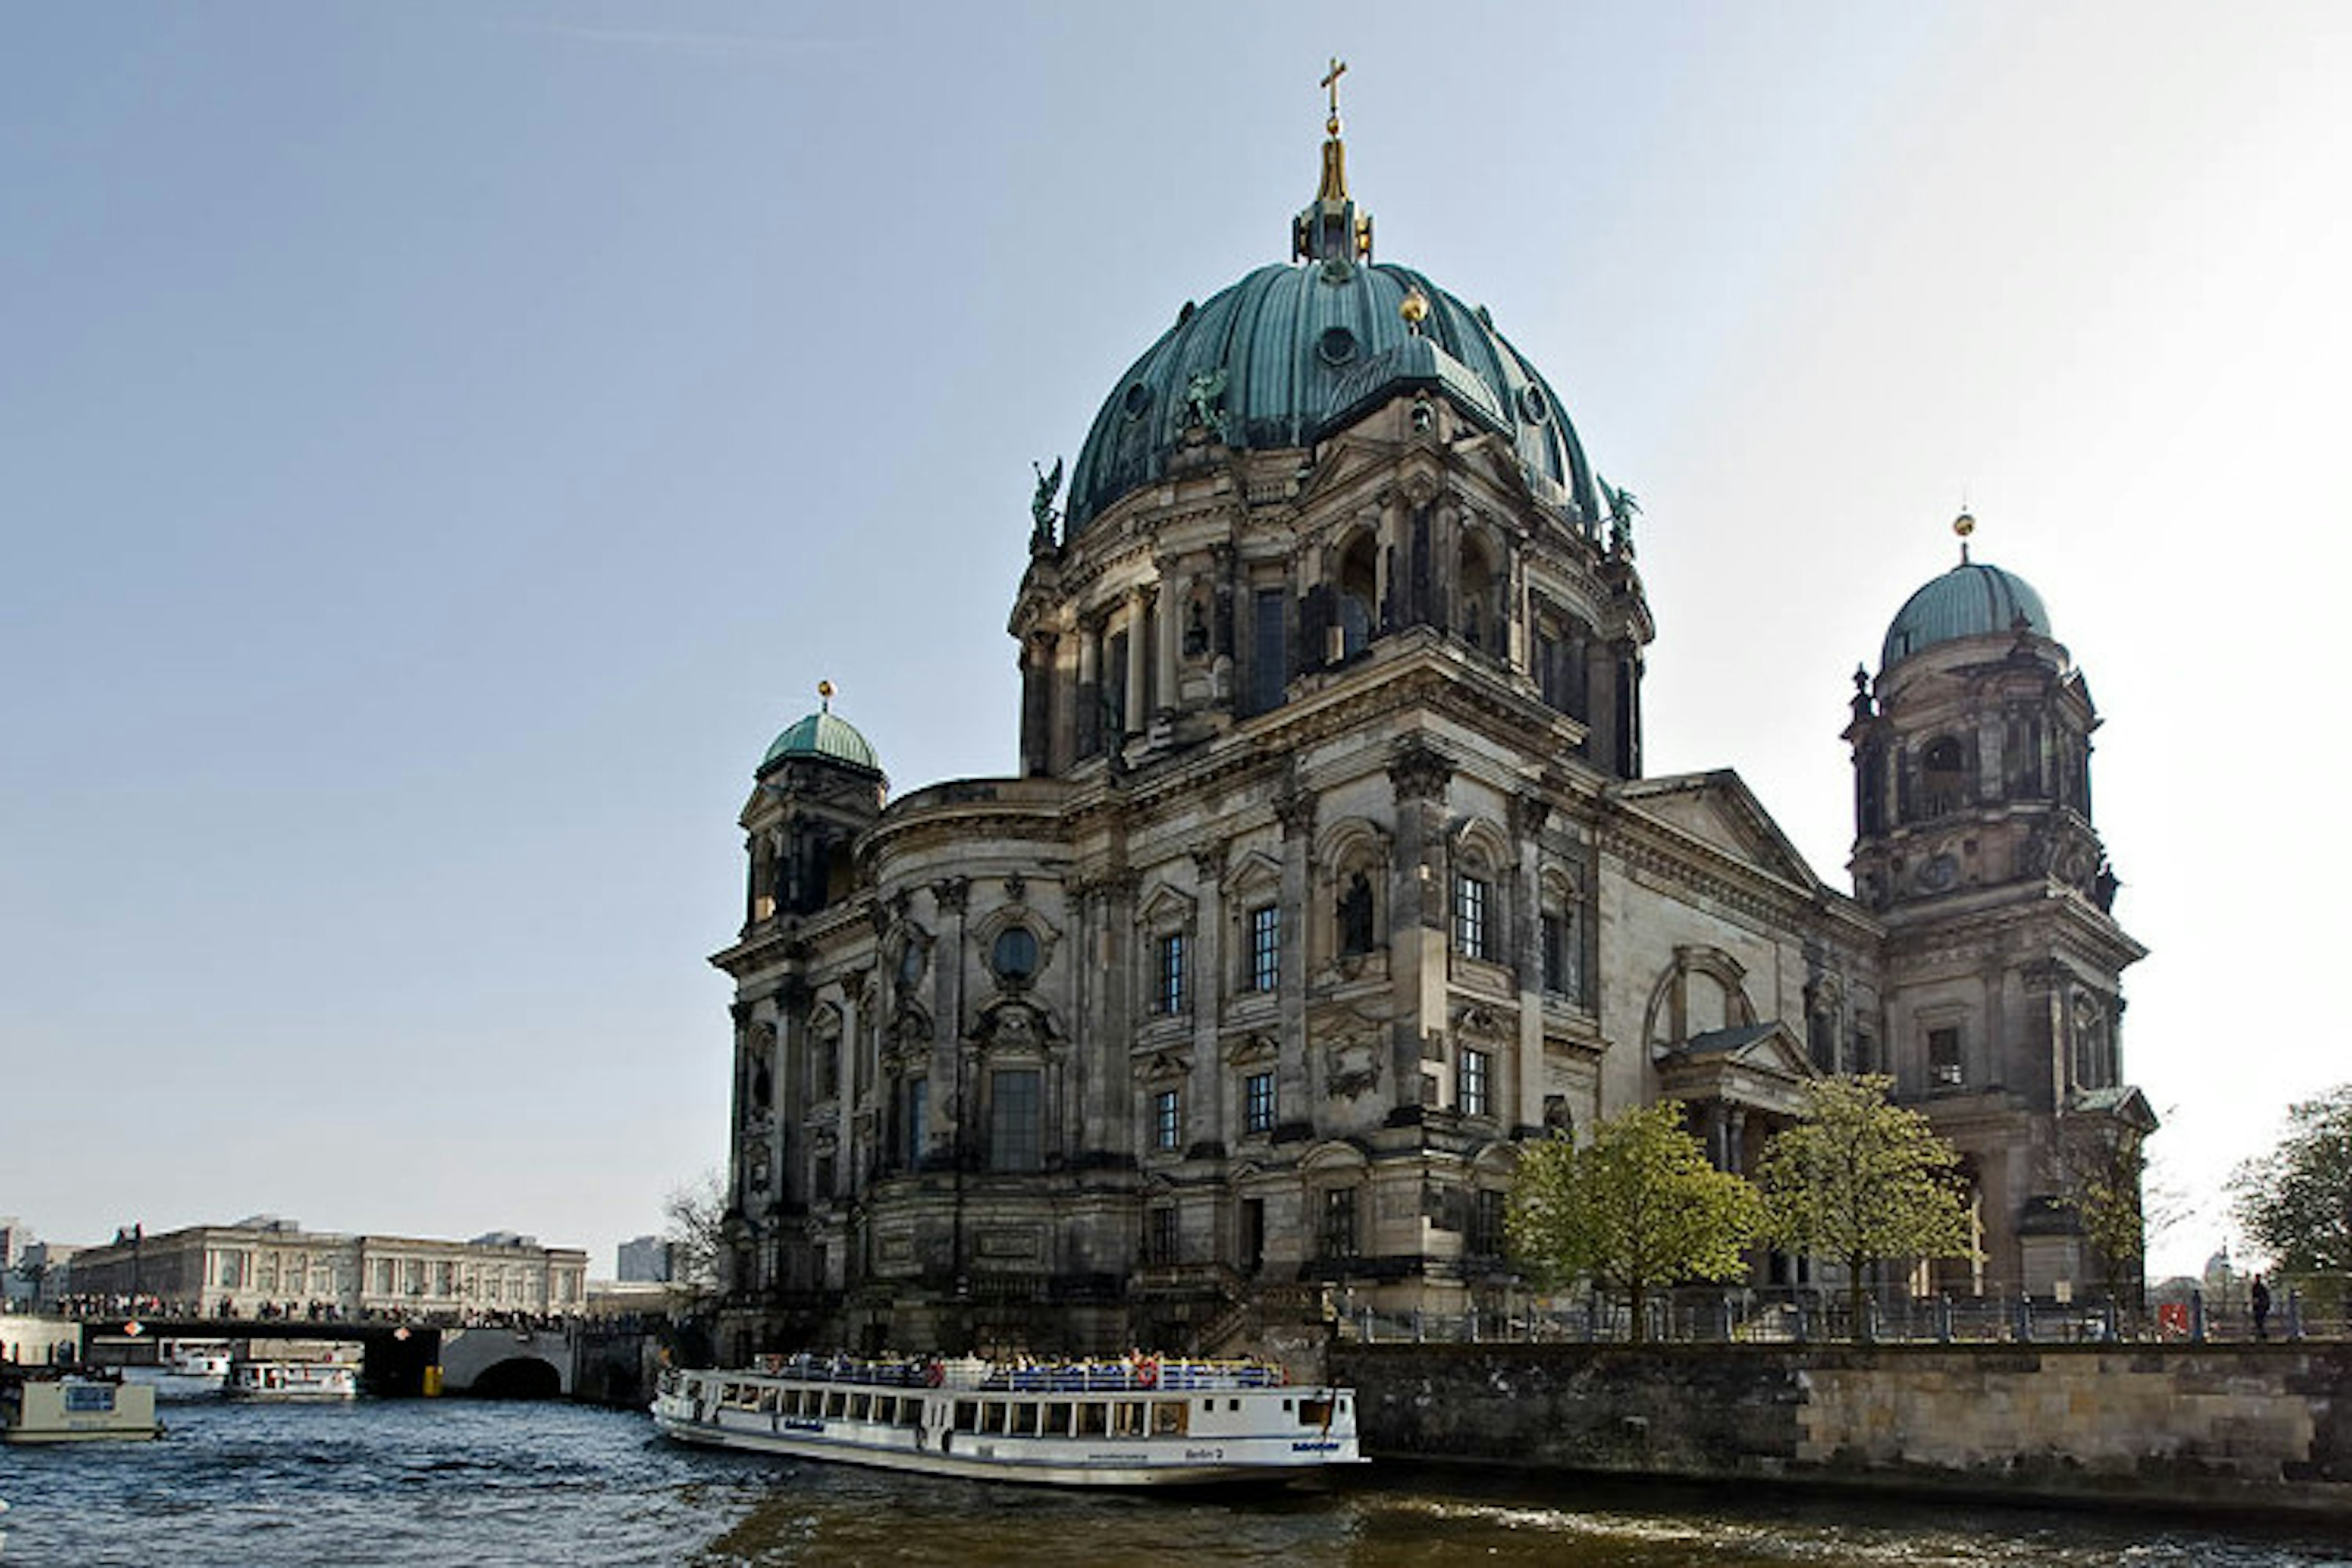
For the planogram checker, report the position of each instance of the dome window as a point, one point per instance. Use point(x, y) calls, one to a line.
point(1532, 406)
point(1335, 347)
point(1137, 403)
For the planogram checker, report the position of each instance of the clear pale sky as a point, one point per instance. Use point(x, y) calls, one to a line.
point(442, 443)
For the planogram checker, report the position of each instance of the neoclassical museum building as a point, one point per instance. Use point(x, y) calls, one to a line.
point(1331, 876)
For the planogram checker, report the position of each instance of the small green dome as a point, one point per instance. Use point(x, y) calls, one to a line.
point(1276, 357)
point(823, 735)
point(1970, 600)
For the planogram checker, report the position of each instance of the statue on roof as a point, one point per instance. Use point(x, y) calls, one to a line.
point(1622, 510)
point(1203, 391)
point(1041, 506)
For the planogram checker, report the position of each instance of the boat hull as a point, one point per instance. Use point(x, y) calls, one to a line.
point(1131, 1437)
point(78, 1410)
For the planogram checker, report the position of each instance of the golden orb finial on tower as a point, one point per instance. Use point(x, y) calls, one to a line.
point(1964, 525)
point(824, 695)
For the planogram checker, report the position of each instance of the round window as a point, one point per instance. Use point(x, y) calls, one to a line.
point(1016, 953)
point(1335, 346)
point(1532, 405)
point(1138, 401)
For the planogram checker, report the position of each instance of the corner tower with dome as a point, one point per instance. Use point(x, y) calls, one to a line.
point(1330, 875)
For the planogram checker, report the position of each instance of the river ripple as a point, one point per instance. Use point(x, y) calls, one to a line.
point(433, 1483)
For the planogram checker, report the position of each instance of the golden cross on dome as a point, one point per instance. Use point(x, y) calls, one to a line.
point(1331, 81)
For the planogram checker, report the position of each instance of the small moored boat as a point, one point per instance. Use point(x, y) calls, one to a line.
point(1135, 1422)
point(292, 1380)
point(185, 1371)
point(46, 1407)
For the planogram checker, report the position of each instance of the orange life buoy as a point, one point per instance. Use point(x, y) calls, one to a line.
point(935, 1374)
point(1147, 1373)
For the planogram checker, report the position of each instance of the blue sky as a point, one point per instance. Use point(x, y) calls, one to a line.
point(443, 442)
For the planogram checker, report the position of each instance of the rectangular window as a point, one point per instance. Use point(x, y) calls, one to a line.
point(1339, 1222)
point(1253, 1237)
point(918, 1117)
point(1167, 992)
point(1944, 1056)
point(1167, 1120)
point(1474, 1098)
point(825, 1176)
point(1554, 938)
point(1264, 948)
point(1257, 1103)
point(1268, 656)
point(1159, 1239)
point(1486, 1237)
point(1114, 684)
point(1015, 1116)
point(1471, 897)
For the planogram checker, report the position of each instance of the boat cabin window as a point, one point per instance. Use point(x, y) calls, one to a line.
point(835, 1401)
point(991, 1416)
point(967, 1416)
point(768, 1400)
point(1024, 1420)
point(807, 1402)
point(910, 1412)
point(1169, 1417)
point(1127, 1418)
point(860, 1407)
point(1094, 1418)
point(1058, 1418)
point(1314, 1411)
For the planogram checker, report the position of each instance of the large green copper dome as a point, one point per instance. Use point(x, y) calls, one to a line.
point(1970, 600)
point(1274, 357)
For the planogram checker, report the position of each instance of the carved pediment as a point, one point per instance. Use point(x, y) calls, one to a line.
point(1481, 1022)
point(1165, 1067)
point(1253, 1049)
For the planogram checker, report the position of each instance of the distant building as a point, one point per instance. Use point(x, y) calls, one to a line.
point(266, 1262)
point(644, 1261)
point(14, 1238)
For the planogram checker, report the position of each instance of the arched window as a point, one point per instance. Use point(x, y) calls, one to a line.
point(1480, 626)
point(1941, 777)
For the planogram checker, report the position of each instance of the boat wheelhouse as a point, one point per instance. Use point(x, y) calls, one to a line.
point(1135, 1422)
point(48, 1407)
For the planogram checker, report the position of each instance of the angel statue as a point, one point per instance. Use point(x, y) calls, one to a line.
point(1622, 510)
point(1041, 506)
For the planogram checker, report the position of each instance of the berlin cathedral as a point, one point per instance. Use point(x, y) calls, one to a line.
point(1331, 877)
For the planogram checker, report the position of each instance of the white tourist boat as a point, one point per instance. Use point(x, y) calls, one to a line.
point(48, 1407)
point(1135, 1422)
point(194, 1370)
point(293, 1380)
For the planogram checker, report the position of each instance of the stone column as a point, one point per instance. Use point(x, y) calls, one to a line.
point(1138, 721)
point(1296, 811)
point(950, 1096)
point(1417, 907)
point(1167, 632)
point(1204, 973)
point(1528, 815)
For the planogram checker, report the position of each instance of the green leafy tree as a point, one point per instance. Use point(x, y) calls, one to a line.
point(2296, 1202)
point(2106, 1176)
point(1636, 1208)
point(1862, 1181)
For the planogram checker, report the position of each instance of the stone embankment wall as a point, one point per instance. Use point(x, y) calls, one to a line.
point(2265, 1427)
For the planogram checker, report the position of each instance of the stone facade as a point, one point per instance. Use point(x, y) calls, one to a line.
point(1331, 876)
point(2260, 1427)
point(242, 1269)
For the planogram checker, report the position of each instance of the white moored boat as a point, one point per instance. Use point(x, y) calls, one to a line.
point(289, 1380)
point(49, 1407)
point(1137, 1423)
point(185, 1372)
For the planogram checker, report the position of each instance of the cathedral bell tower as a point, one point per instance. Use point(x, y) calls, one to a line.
point(1974, 843)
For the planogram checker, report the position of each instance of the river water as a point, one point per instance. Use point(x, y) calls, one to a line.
point(489, 1485)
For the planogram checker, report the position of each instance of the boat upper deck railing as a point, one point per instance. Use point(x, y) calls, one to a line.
point(1130, 1374)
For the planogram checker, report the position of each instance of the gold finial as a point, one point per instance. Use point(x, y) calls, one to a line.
point(1335, 154)
point(1964, 525)
point(1414, 308)
point(824, 695)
